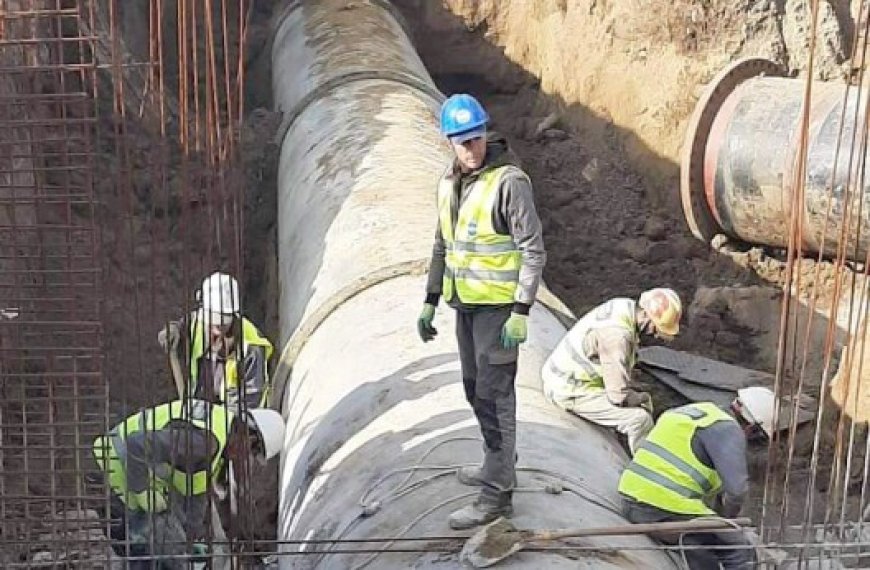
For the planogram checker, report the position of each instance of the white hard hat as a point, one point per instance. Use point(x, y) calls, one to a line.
point(271, 426)
point(757, 405)
point(664, 309)
point(219, 296)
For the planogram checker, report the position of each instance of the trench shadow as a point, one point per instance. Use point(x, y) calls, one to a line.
point(477, 66)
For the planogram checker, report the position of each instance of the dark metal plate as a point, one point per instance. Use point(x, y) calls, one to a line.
point(704, 371)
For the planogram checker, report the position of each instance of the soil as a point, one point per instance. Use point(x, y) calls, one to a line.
point(624, 75)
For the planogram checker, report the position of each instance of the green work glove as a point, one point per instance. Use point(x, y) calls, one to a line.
point(514, 331)
point(424, 323)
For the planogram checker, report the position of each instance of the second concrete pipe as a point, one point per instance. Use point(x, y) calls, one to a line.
point(740, 161)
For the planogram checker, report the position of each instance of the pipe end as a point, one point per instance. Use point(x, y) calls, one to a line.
point(692, 185)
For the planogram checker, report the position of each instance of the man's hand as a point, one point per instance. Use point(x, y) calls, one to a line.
point(169, 336)
point(636, 399)
point(726, 506)
point(424, 323)
point(514, 331)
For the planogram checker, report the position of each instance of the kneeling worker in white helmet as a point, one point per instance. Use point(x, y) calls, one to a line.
point(589, 371)
point(160, 463)
point(693, 464)
point(225, 353)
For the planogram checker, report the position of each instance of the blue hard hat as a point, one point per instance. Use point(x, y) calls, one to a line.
point(463, 118)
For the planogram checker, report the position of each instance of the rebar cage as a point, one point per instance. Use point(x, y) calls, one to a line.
point(120, 189)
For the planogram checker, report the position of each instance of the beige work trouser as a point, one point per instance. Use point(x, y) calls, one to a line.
point(593, 405)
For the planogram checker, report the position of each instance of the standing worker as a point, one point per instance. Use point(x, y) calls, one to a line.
point(487, 263)
point(227, 356)
point(160, 463)
point(589, 371)
point(695, 457)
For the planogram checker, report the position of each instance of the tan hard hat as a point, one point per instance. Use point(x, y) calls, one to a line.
point(664, 309)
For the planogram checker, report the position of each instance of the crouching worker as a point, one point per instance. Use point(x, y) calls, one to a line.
point(693, 464)
point(588, 372)
point(160, 464)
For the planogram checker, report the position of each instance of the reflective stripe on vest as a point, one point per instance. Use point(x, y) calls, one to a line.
point(482, 267)
point(251, 336)
point(210, 417)
point(569, 361)
point(665, 473)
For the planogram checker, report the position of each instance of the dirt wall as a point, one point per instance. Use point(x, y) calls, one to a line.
point(626, 75)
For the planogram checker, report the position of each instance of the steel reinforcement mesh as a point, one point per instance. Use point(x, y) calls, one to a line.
point(53, 400)
point(120, 189)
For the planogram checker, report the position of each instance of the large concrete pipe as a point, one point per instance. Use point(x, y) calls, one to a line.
point(375, 417)
point(740, 160)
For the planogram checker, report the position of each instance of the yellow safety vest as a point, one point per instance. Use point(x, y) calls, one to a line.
point(665, 473)
point(204, 415)
point(569, 362)
point(482, 266)
point(251, 336)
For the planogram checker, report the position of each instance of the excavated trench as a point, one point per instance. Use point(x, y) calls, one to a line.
point(611, 217)
point(610, 228)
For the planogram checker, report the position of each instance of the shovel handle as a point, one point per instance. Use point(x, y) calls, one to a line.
point(177, 374)
point(693, 525)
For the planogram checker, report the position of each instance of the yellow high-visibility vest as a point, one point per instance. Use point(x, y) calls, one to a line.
point(665, 473)
point(251, 336)
point(110, 451)
point(569, 362)
point(482, 266)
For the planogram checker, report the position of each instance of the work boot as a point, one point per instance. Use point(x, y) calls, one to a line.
point(478, 513)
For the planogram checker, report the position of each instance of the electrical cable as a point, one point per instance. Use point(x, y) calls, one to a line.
point(370, 506)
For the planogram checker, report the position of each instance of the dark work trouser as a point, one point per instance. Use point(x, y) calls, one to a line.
point(740, 558)
point(488, 374)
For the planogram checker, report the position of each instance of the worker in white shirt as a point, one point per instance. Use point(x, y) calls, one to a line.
point(589, 371)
